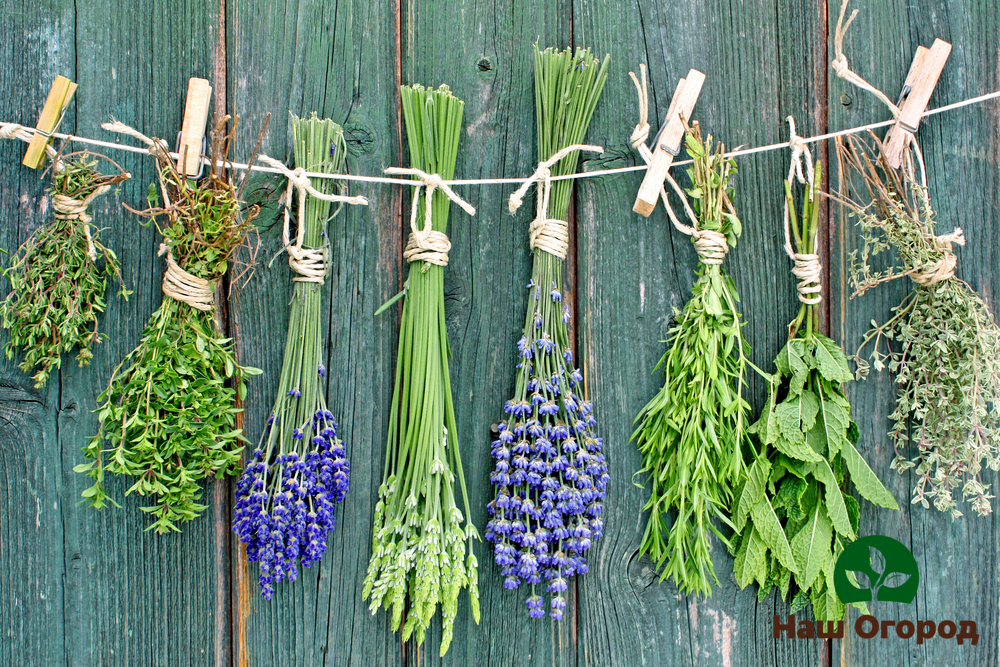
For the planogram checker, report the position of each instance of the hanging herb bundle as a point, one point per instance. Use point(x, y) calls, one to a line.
point(421, 541)
point(690, 435)
point(168, 416)
point(942, 343)
point(550, 475)
point(793, 513)
point(286, 496)
point(58, 277)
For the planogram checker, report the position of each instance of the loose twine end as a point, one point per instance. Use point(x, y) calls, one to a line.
point(547, 234)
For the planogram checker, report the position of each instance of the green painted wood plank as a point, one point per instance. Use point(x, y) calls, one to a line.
point(761, 65)
point(338, 60)
point(958, 562)
point(483, 52)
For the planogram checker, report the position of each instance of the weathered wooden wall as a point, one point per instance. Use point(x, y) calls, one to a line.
point(81, 587)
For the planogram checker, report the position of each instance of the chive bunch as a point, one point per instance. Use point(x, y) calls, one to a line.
point(421, 540)
point(550, 475)
point(690, 435)
point(168, 416)
point(286, 496)
point(59, 276)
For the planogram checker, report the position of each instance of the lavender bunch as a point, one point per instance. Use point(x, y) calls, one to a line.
point(549, 473)
point(299, 471)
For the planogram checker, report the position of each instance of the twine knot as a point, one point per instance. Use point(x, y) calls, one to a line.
point(425, 244)
point(181, 285)
point(711, 246)
point(309, 264)
point(944, 268)
point(67, 208)
point(809, 272)
point(545, 233)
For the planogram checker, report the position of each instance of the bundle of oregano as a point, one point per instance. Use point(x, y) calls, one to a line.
point(168, 416)
point(286, 496)
point(58, 277)
point(550, 474)
point(421, 541)
point(942, 342)
point(793, 513)
point(690, 435)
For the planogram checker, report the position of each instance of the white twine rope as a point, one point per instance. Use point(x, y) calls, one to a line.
point(181, 285)
point(807, 269)
point(545, 233)
point(425, 244)
point(944, 268)
point(842, 69)
point(67, 208)
point(711, 246)
point(309, 263)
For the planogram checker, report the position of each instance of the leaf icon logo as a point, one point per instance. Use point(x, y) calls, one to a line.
point(876, 568)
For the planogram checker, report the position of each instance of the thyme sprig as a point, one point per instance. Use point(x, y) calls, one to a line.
point(299, 470)
point(59, 276)
point(690, 435)
point(550, 473)
point(421, 541)
point(942, 343)
point(168, 415)
point(793, 512)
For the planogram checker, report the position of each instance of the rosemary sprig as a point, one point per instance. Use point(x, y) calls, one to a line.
point(421, 551)
point(793, 512)
point(168, 414)
point(690, 434)
point(942, 343)
point(59, 276)
point(550, 474)
point(286, 496)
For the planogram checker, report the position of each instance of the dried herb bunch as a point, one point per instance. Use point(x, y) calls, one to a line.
point(690, 435)
point(793, 513)
point(59, 276)
point(549, 473)
point(286, 496)
point(168, 416)
point(941, 343)
point(421, 541)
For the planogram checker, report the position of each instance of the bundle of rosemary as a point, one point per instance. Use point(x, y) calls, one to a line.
point(421, 541)
point(793, 513)
point(550, 475)
point(286, 496)
point(168, 416)
point(58, 277)
point(942, 342)
point(690, 435)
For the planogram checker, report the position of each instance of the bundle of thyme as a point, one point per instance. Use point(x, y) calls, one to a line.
point(793, 513)
point(58, 277)
point(942, 342)
point(690, 435)
point(286, 496)
point(550, 475)
point(421, 541)
point(168, 416)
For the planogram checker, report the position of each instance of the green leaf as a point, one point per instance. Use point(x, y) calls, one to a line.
point(797, 365)
point(797, 450)
point(796, 415)
point(811, 547)
point(832, 423)
point(831, 361)
point(766, 521)
point(750, 563)
point(752, 492)
point(835, 506)
point(865, 481)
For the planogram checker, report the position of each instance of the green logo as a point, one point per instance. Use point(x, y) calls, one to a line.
point(884, 569)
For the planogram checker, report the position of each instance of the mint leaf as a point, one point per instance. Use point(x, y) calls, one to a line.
point(835, 507)
point(766, 521)
point(797, 414)
point(750, 562)
point(834, 420)
point(831, 362)
point(865, 481)
point(752, 492)
point(811, 547)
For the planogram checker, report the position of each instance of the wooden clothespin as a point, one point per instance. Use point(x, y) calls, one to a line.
point(52, 114)
point(668, 141)
point(925, 70)
point(189, 141)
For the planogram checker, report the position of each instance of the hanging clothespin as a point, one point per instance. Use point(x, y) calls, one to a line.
point(925, 70)
point(668, 141)
point(52, 114)
point(190, 141)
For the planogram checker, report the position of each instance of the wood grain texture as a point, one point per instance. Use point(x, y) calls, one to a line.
point(958, 561)
point(81, 587)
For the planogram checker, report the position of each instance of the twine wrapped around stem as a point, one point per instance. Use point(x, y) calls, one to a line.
point(424, 243)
